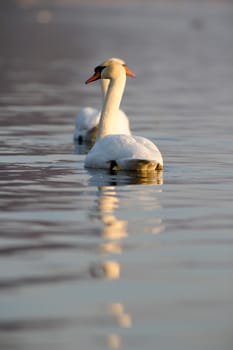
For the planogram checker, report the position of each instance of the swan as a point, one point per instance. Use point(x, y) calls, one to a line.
point(118, 151)
point(87, 120)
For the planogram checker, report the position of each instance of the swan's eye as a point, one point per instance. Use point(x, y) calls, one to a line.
point(99, 69)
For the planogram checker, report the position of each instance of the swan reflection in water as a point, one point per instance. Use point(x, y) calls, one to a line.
point(113, 233)
point(103, 177)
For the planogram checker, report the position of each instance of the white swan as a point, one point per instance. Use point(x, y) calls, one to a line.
point(86, 123)
point(87, 120)
point(119, 151)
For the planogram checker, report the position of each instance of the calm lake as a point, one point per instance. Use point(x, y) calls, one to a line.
point(90, 260)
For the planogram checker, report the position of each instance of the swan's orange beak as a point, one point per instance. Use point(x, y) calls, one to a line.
point(129, 72)
point(95, 76)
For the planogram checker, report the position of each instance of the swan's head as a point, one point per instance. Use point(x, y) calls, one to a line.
point(110, 69)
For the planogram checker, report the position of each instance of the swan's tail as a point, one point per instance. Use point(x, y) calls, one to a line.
point(139, 165)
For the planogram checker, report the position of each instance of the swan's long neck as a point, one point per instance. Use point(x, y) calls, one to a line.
point(111, 105)
point(104, 87)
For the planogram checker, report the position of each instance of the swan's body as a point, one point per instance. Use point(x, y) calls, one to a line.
point(117, 151)
point(87, 120)
point(124, 152)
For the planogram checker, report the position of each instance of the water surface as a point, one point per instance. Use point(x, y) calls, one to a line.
point(90, 260)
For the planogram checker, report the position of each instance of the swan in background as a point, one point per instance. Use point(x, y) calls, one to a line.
point(118, 151)
point(87, 120)
point(86, 125)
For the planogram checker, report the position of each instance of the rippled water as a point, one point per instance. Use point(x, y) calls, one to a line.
point(90, 260)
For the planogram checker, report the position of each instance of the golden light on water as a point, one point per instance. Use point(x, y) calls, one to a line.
point(111, 269)
point(111, 247)
point(114, 341)
point(123, 319)
point(116, 308)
